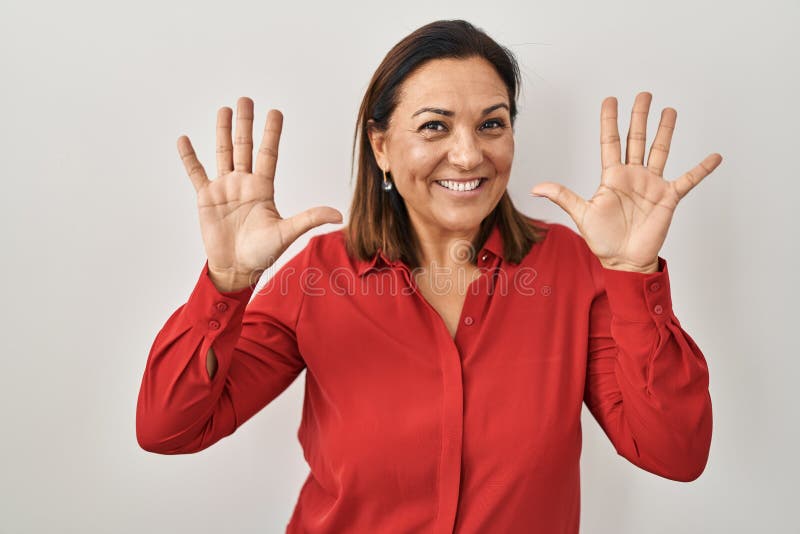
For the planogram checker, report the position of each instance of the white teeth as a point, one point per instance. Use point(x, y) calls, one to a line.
point(460, 186)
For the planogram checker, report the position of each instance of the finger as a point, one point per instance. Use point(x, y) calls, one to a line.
point(659, 150)
point(564, 197)
point(637, 133)
point(297, 225)
point(267, 157)
point(224, 145)
point(685, 183)
point(195, 170)
point(609, 134)
point(243, 142)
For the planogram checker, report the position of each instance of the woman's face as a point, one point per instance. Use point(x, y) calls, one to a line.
point(465, 135)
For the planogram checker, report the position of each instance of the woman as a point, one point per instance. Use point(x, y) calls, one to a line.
point(449, 340)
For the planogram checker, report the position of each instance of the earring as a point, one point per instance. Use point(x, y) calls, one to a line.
point(387, 185)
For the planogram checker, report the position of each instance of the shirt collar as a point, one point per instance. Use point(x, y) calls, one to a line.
point(493, 245)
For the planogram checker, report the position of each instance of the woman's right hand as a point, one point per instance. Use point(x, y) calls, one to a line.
point(242, 231)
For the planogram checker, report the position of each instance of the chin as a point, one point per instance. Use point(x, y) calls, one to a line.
point(461, 222)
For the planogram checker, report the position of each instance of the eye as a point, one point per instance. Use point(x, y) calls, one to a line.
point(425, 126)
point(433, 125)
point(498, 122)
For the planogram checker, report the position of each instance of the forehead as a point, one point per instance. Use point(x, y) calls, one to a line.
point(453, 83)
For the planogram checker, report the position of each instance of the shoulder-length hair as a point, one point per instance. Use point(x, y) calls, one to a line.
point(379, 219)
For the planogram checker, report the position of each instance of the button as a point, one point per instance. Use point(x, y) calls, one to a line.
point(655, 286)
point(658, 309)
point(213, 324)
point(483, 258)
point(546, 291)
point(468, 320)
point(222, 306)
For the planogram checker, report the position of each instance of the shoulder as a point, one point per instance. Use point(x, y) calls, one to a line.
point(560, 237)
point(299, 261)
point(327, 251)
point(303, 269)
point(566, 248)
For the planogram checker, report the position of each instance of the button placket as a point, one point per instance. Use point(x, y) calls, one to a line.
point(655, 286)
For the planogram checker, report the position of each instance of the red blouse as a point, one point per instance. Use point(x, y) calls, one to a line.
point(409, 430)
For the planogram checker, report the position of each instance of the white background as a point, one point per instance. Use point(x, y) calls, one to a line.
point(101, 243)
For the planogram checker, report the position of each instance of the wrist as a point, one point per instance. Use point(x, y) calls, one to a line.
point(616, 265)
point(227, 281)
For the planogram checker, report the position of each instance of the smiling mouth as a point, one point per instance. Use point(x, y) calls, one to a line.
point(465, 187)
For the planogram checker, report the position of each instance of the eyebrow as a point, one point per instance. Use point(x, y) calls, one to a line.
point(448, 113)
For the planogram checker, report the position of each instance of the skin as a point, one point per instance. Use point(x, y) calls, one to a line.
point(465, 145)
point(243, 232)
point(624, 224)
point(420, 149)
point(626, 221)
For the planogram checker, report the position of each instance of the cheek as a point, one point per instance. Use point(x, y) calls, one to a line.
point(419, 163)
point(502, 160)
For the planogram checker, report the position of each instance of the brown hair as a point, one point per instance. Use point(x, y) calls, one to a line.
point(379, 219)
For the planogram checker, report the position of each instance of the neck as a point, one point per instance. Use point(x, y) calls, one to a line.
point(444, 248)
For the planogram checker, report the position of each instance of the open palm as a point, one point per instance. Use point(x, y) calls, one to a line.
point(626, 221)
point(242, 231)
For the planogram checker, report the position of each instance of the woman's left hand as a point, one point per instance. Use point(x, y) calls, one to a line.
point(626, 221)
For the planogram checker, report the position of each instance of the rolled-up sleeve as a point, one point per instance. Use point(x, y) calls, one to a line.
point(647, 380)
point(180, 408)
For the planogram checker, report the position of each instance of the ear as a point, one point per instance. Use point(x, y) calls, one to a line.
point(377, 139)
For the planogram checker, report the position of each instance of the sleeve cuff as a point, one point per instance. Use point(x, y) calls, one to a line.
point(212, 309)
point(639, 297)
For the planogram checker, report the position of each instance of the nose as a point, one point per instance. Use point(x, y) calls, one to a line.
point(466, 151)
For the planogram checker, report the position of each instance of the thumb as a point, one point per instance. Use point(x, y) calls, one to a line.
point(561, 195)
point(306, 220)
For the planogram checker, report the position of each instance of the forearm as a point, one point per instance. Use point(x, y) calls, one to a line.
point(181, 406)
point(665, 416)
point(647, 381)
